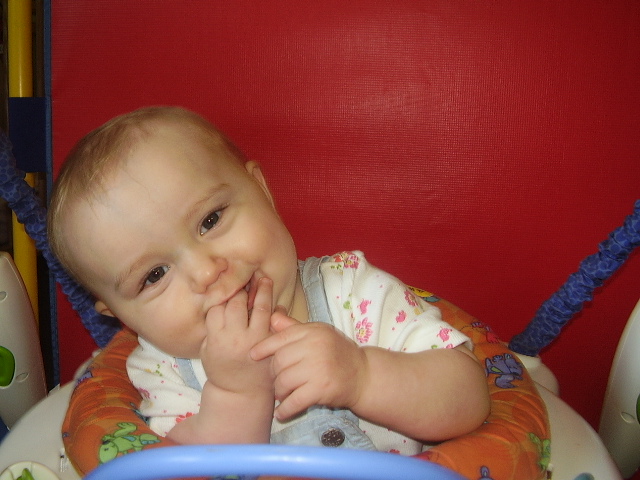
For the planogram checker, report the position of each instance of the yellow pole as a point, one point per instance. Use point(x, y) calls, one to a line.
point(21, 85)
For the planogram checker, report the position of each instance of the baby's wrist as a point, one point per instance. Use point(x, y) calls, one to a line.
point(219, 393)
point(365, 393)
point(228, 417)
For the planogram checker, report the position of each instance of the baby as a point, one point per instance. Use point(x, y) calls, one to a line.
point(176, 234)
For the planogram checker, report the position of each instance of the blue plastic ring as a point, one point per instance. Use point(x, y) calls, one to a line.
point(256, 460)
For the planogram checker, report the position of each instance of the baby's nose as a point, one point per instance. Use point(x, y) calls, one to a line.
point(204, 271)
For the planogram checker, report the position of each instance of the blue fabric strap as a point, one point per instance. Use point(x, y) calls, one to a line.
point(314, 290)
point(25, 203)
point(188, 374)
point(556, 312)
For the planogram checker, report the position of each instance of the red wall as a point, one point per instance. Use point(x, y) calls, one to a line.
point(476, 149)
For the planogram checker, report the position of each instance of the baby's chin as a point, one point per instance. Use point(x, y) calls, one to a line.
point(190, 354)
point(180, 351)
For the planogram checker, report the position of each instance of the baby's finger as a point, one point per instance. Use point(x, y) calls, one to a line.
point(289, 378)
point(236, 313)
point(280, 320)
point(216, 319)
point(262, 306)
point(265, 348)
point(298, 401)
point(270, 345)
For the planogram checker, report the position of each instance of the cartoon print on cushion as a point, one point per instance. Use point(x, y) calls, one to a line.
point(122, 442)
point(544, 447)
point(484, 473)
point(506, 368)
point(424, 295)
point(488, 332)
point(85, 376)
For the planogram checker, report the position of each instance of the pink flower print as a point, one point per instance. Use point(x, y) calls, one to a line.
point(444, 333)
point(364, 329)
point(180, 418)
point(350, 260)
point(411, 300)
point(364, 304)
point(402, 316)
point(144, 393)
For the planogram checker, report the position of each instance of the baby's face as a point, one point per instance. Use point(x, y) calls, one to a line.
point(177, 232)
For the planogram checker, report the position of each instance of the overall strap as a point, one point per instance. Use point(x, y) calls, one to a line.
point(313, 286)
point(185, 367)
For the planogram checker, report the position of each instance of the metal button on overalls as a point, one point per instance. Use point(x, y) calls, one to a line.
point(334, 437)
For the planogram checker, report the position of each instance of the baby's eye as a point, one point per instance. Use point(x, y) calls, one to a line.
point(210, 221)
point(155, 275)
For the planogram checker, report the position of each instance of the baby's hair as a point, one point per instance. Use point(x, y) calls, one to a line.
point(96, 157)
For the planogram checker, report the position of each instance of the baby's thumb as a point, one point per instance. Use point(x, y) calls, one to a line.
point(280, 320)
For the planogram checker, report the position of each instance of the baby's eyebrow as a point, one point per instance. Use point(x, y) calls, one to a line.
point(196, 208)
point(125, 275)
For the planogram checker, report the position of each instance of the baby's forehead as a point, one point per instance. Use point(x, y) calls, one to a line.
point(90, 179)
point(187, 134)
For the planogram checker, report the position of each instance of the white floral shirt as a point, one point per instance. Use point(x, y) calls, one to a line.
point(373, 307)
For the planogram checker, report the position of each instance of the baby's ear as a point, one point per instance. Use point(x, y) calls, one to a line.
point(256, 172)
point(102, 309)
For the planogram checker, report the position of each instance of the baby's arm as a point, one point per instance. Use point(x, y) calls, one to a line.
point(238, 397)
point(431, 395)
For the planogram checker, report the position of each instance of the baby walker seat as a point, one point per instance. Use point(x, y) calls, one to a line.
point(102, 421)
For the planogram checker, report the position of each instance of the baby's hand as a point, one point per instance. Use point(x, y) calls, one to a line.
point(314, 364)
point(232, 330)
